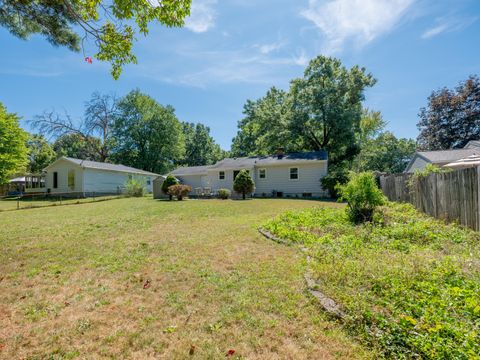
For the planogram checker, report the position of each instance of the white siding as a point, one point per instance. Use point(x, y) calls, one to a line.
point(195, 181)
point(278, 179)
point(61, 168)
point(227, 183)
point(104, 181)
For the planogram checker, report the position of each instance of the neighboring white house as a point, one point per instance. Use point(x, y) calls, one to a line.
point(281, 175)
point(442, 157)
point(84, 177)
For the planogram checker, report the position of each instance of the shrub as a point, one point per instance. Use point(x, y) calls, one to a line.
point(243, 183)
point(135, 187)
point(336, 175)
point(169, 181)
point(179, 191)
point(224, 194)
point(362, 196)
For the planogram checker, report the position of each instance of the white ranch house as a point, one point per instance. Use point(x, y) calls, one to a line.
point(83, 178)
point(281, 175)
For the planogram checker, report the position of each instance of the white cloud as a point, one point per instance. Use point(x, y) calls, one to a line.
point(445, 25)
point(358, 21)
point(268, 48)
point(202, 16)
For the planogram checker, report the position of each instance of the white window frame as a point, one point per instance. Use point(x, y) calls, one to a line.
point(265, 173)
point(290, 173)
point(220, 175)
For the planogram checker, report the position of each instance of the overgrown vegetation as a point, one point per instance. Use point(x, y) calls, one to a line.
point(410, 284)
point(362, 196)
point(179, 191)
point(135, 187)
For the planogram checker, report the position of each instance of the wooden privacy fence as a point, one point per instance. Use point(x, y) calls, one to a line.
point(452, 196)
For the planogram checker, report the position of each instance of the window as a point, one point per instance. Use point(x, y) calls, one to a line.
point(55, 180)
point(262, 173)
point(221, 175)
point(293, 173)
point(71, 179)
point(149, 181)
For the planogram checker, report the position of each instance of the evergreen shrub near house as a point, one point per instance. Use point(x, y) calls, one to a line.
point(179, 191)
point(409, 284)
point(243, 183)
point(169, 181)
point(362, 195)
point(135, 187)
point(224, 194)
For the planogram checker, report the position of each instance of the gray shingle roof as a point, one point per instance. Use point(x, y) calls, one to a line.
point(192, 170)
point(250, 162)
point(107, 166)
point(445, 156)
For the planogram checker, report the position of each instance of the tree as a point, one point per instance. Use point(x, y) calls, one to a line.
point(146, 134)
point(170, 180)
point(40, 154)
point(79, 147)
point(243, 183)
point(13, 152)
point(265, 127)
point(109, 24)
point(93, 131)
point(327, 106)
point(385, 153)
point(200, 147)
point(451, 118)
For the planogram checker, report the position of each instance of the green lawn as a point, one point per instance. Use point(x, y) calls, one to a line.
point(140, 278)
point(28, 202)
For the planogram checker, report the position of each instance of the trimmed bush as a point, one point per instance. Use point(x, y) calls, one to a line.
point(362, 196)
point(243, 183)
point(169, 181)
point(179, 191)
point(224, 194)
point(135, 187)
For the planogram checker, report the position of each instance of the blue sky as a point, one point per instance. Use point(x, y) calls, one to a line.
point(234, 50)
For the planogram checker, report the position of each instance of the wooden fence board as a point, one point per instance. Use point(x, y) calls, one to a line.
point(452, 196)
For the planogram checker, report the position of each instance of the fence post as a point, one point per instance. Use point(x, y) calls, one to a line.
point(18, 203)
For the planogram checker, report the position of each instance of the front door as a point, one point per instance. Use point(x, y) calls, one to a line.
point(235, 173)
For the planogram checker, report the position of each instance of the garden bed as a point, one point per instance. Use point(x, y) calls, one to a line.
point(409, 284)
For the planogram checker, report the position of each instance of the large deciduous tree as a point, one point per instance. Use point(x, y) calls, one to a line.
point(327, 106)
point(79, 147)
point(110, 26)
point(452, 117)
point(13, 151)
point(200, 147)
point(40, 154)
point(146, 134)
point(89, 137)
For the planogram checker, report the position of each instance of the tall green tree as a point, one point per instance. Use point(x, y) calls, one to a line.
point(200, 147)
point(110, 26)
point(146, 134)
point(40, 154)
point(451, 118)
point(13, 151)
point(77, 146)
point(327, 106)
point(266, 126)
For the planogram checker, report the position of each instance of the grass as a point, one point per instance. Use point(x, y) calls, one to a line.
point(410, 284)
point(139, 278)
point(29, 202)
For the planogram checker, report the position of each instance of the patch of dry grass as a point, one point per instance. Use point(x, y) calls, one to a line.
point(140, 279)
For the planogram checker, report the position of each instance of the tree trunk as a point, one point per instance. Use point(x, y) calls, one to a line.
point(243, 194)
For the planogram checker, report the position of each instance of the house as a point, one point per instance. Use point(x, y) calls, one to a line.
point(280, 175)
point(83, 177)
point(442, 157)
